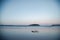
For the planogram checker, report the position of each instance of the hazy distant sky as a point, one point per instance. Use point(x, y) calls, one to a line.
point(30, 11)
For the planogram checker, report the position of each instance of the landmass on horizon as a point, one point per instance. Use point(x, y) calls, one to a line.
point(32, 25)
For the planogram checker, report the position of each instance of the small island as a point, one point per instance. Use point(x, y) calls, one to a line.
point(56, 25)
point(34, 25)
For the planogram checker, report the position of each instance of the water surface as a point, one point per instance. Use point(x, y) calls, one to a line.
point(25, 33)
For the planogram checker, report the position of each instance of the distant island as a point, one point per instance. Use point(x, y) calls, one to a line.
point(56, 25)
point(34, 25)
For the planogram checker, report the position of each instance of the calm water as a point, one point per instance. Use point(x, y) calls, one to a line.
point(25, 33)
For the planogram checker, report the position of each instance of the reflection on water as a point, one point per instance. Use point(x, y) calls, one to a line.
point(25, 33)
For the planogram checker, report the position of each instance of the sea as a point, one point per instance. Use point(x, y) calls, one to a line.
point(29, 33)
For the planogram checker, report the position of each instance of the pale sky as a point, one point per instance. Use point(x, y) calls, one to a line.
point(30, 11)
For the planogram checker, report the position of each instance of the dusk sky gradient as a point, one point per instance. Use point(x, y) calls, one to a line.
point(23, 12)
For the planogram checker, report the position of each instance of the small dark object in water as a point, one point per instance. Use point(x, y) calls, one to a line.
point(34, 31)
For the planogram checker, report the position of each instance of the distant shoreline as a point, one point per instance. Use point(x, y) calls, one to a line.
point(33, 25)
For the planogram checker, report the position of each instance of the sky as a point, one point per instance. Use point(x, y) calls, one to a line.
point(23, 12)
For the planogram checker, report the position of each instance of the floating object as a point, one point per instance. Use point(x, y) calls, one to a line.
point(34, 31)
